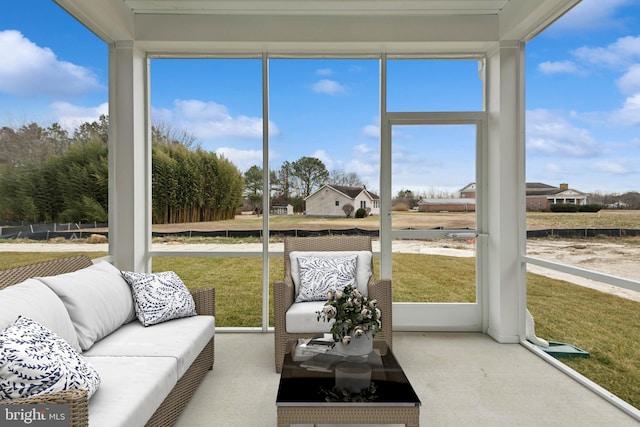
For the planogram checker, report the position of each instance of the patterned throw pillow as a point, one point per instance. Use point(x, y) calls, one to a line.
point(320, 275)
point(159, 297)
point(34, 360)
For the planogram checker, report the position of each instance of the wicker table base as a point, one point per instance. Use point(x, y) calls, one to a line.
point(409, 416)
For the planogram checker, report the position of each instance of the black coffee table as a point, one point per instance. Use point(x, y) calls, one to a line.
point(330, 388)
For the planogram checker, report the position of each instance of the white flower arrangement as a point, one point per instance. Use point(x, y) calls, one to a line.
point(355, 315)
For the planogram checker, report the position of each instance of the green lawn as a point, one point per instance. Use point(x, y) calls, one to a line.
point(607, 326)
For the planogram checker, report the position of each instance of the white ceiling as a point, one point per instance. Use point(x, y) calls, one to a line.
point(330, 7)
point(434, 27)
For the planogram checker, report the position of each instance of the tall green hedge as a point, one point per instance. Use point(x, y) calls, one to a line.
point(188, 185)
point(193, 185)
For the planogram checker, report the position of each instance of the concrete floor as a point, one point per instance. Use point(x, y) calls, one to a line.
point(462, 379)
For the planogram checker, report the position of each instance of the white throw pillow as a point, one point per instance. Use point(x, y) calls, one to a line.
point(34, 299)
point(34, 360)
point(320, 275)
point(97, 298)
point(160, 297)
point(363, 266)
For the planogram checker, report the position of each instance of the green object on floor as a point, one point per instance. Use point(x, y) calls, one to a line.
point(562, 350)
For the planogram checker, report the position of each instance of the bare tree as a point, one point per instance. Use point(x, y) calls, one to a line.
point(164, 132)
point(350, 179)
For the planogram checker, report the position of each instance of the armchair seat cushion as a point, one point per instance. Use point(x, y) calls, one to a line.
point(302, 318)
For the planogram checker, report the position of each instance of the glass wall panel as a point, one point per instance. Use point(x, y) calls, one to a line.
point(433, 85)
point(207, 178)
point(237, 282)
point(434, 213)
point(583, 187)
point(324, 143)
point(207, 142)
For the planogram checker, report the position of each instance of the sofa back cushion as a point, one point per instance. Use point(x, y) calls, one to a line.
point(97, 298)
point(34, 299)
point(363, 266)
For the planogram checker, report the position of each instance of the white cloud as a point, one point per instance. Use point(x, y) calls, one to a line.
point(330, 87)
point(592, 15)
point(324, 72)
point(554, 170)
point(243, 159)
point(622, 53)
point(629, 83)
point(550, 134)
point(612, 167)
point(365, 162)
point(557, 67)
point(27, 69)
point(325, 158)
point(371, 131)
point(71, 116)
point(366, 151)
point(629, 114)
point(210, 120)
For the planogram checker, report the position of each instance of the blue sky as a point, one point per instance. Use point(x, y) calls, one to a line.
point(583, 100)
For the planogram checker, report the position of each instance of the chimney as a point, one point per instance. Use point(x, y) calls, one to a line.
point(564, 186)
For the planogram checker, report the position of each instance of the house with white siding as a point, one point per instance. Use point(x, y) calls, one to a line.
point(329, 200)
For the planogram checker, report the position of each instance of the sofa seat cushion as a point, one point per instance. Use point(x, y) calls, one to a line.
point(34, 299)
point(182, 339)
point(132, 389)
point(302, 318)
point(98, 299)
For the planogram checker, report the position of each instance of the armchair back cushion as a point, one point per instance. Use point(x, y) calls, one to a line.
point(319, 275)
point(363, 266)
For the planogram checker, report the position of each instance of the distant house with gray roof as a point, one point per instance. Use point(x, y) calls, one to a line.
point(329, 200)
point(539, 196)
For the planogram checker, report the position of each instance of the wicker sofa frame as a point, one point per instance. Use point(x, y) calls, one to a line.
point(284, 291)
point(174, 403)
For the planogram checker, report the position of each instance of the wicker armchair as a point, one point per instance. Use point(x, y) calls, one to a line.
point(284, 291)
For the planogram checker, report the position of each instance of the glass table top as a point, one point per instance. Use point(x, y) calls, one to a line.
point(330, 378)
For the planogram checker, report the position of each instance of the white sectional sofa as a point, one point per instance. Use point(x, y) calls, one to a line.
point(137, 375)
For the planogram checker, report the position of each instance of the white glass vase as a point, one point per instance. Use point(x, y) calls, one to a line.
point(357, 347)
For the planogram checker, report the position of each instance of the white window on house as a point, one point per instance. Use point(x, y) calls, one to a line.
point(363, 204)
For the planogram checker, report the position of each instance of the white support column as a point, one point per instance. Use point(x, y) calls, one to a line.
point(505, 290)
point(129, 158)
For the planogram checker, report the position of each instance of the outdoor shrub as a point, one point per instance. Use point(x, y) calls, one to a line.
point(361, 213)
point(400, 207)
point(564, 208)
point(348, 210)
point(590, 208)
